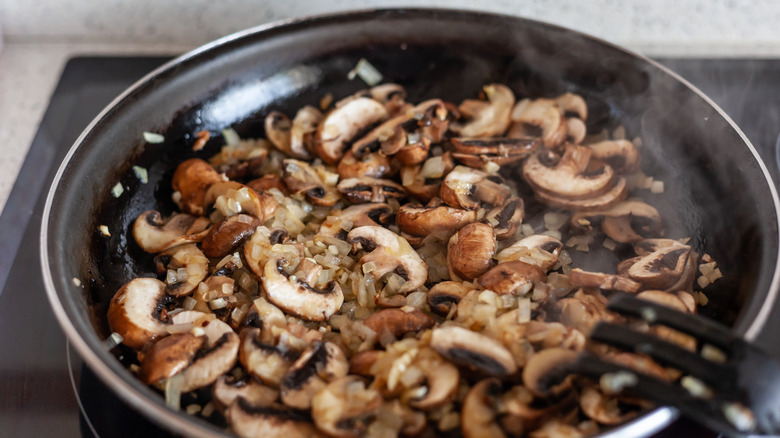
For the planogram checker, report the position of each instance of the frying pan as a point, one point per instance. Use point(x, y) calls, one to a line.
point(718, 192)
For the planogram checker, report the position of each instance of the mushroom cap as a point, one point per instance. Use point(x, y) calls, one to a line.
point(473, 350)
point(487, 118)
point(574, 176)
point(153, 234)
point(192, 179)
point(169, 356)
point(297, 297)
point(344, 123)
point(398, 321)
point(228, 234)
point(470, 251)
point(441, 220)
point(390, 253)
point(250, 421)
point(135, 312)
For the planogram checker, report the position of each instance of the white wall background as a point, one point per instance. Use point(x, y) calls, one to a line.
point(727, 26)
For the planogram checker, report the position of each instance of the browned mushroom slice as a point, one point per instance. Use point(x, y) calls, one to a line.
point(442, 296)
point(577, 130)
point(541, 249)
point(249, 421)
point(389, 252)
point(424, 181)
point(259, 248)
point(262, 358)
point(574, 104)
point(267, 182)
point(362, 362)
point(168, 357)
point(617, 193)
point(544, 114)
point(391, 96)
point(480, 409)
point(362, 190)
point(662, 268)
point(293, 138)
point(318, 365)
point(488, 118)
point(374, 165)
point(437, 384)
point(228, 234)
point(622, 221)
point(398, 322)
point(545, 364)
point(298, 293)
point(621, 155)
point(354, 216)
point(154, 234)
point(136, 312)
point(512, 277)
point(230, 197)
point(599, 280)
point(506, 218)
point(439, 220)
point(415, 151)
point(465, 187)
point(343, 124)
point(647, 246)
point(583, 310)
point(602, 408)
point(192, 179)
point(227, 390)
point(345, 407)
point(573, 176)
point(300, 177)
point(476, 152)
point(470, 251)
point(474, 351)
point(185, 267)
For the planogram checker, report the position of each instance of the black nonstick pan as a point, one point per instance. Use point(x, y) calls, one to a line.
point(717, 190)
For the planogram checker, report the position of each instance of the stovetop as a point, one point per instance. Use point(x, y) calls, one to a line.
point(40, 375)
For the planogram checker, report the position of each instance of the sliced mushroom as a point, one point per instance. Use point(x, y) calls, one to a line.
point(506, 218)
point(374, 165)
point(439, 220)
point(185, 267)
point(572, 103)
point(263, 358)
point(293, 138)
point(577, 130)
point(389, 252)
point(545, 114)
point(354, 216)
point(266, 243)
point(512, 277)
point(474, 351)
point(267, 182)
point(230, 197)
point(415, 151)
point(480, 409)
point(477, 152)
point(621, 155)
point(366, 189)
point(168, 357)
point(137, 312)
point(544, 374)
point(424, 181)
point(599, 280)
point(297, 293)
point(345, 407)
point(575, 175)
point(583, 310)
point(398, 322)
point(320, 364)
point(541, 249)
point(218, 356)
point(228, 234)
point(487, 118)
point(443, 295)
point(250, 421)
point(617, 193)
point(300, 177)
point(153, 234)
point(391, 96)
point(470, 251)
point(192, 179)
point(661, 268)
point(227, 390)
point(437, 383)
point(465, 188)
point(622, 221)
point(601, 408)
point(344, 123)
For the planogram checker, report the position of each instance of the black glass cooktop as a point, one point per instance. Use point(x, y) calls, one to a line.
point(40, 376)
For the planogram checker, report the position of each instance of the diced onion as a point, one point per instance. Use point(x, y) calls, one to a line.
point(173, 388)
point(141, 174)
point(113, 340)
point(367, 72)
point(117, 190)
point(152, 137)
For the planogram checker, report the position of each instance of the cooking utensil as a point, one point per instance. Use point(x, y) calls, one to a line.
point(729, 384)
point(688, 143)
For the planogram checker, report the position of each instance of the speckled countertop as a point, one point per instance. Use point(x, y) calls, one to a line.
point(38, 41)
